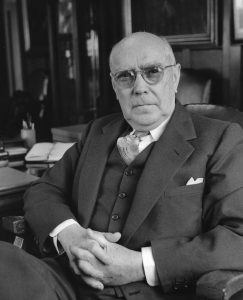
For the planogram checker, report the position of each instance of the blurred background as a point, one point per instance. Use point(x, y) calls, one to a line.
point(54, 55)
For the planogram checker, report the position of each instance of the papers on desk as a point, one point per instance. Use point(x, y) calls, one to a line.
point(47, 152)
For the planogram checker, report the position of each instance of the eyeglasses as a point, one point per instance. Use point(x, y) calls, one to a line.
point(150, 74)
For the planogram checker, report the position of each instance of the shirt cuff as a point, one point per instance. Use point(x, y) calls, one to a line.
point(149, 266)
point(57, 230)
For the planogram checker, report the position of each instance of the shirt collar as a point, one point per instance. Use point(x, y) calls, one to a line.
point(158, 131)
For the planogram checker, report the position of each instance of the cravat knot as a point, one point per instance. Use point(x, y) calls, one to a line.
point(128, 145)
point(140, 134)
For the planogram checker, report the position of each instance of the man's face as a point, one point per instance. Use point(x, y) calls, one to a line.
point(145, 105)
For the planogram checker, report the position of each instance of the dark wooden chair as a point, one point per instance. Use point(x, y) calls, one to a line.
point(220, 284)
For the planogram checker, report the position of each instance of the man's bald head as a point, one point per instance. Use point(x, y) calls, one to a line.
point(145, 77)
point(140, 40)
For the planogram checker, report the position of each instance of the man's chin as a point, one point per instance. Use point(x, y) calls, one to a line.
point(144, 121)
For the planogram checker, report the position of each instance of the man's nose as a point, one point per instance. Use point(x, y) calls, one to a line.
point(140, 85)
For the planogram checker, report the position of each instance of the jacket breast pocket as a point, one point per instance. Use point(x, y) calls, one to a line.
point(185, 190)
point(180, 211)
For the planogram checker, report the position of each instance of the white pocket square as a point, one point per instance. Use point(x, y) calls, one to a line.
point(194, 181)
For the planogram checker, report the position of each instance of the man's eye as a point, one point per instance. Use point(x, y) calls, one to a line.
point(152, 71)
point(124, 75)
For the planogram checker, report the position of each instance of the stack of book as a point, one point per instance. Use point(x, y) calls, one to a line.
point(16, 150)
point(43, 156)
point(16, 155)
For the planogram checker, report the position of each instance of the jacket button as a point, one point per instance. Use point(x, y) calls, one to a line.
point(115, 217)
point(122, 195)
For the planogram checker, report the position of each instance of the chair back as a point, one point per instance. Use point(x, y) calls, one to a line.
point(225, 113)
point(194, 87)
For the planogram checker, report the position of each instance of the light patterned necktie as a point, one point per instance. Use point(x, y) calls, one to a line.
point(128, 145)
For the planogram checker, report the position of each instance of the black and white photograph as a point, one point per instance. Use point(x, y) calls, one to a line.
point(121, 150)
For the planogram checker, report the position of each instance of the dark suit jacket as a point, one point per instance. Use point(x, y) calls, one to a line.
point(192, 228)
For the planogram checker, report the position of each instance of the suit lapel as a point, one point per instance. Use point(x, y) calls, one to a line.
point(168, 154)
point(93, 167)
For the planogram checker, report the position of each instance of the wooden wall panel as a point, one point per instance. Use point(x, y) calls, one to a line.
point(224, 63)
point(3, 66)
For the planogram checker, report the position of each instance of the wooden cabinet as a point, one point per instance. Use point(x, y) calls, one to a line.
point(80, 37)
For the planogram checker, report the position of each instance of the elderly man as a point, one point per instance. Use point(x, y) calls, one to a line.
point(146, 203)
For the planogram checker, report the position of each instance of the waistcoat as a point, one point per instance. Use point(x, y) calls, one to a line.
point(116, 191)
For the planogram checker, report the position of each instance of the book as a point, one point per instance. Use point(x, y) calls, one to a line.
point(15, 224)
point(47, 152)
point(16, 150)
point(39, 164)
point(37, 169)
point(16, 155)
point(16, 163)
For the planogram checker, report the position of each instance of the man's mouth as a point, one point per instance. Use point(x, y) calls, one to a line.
point(143, 105)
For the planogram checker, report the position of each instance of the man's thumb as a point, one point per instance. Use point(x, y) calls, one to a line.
point(112, 237)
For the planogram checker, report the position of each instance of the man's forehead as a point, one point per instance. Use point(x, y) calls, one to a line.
point(132, 57)
point(141, 44)
point(140, 49)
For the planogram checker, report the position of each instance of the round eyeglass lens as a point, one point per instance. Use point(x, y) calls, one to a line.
point(153, 75)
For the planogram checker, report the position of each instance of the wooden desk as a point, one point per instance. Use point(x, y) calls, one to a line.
point(13, 184)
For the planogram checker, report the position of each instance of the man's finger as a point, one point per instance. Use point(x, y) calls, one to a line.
point(74, 267)
point(80, 253)
point(94, 283)
point(112, 237)
point(94, 253)
point(88, 269)
point(97, 236)
point(102, 237)
point(101, 254)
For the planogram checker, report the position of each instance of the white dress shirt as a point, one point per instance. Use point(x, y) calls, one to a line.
point(147, 255)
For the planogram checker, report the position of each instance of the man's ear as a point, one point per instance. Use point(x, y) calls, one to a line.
point(114, 87)
point(176, 76)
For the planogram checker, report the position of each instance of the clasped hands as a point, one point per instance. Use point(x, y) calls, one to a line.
point(98, 259)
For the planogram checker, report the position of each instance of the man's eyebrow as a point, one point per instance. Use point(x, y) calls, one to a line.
point(151, 64)
point(147, 65)
point(124, 69)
